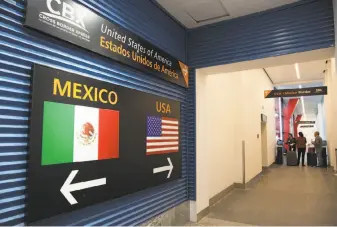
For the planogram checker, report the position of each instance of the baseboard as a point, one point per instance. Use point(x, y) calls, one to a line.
point(250, 183)
point(254, 180)
point(202, 214)
point(265, 168)
point(239, 185)
point(224, 192)
point(220, 195)
point(213, 200)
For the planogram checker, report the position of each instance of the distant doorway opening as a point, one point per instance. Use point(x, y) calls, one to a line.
point(264, 148)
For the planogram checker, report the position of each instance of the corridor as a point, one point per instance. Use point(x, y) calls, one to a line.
point(283, 196)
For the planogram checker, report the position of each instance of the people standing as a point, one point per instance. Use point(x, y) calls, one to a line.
point(301, 148)
point(291, 142)
point(318, 149)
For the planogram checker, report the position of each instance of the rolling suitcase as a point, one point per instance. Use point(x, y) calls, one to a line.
point(324, 157)
point(279, 155)
point(291, 158)
point(311, 159)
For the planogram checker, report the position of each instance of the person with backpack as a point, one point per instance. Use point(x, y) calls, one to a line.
point(301, 148)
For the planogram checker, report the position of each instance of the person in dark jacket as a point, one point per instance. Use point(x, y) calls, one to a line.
point(291, 142)
point(301, 148)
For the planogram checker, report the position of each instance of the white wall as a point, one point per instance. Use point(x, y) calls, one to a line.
point(202, 170)
point(321, 120)
point(216, 162)
point(221, 132)
point(330, 103)
point(229, 108)
point(253, 104)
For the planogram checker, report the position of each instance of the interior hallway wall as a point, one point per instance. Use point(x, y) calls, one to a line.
point(221, 130)
point(321, 120)
point(216, 135)
point(229, 107)
point(254, 82)
point(330, 103)
point(202, 151)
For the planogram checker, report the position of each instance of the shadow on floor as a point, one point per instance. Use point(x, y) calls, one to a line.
point(283, 196)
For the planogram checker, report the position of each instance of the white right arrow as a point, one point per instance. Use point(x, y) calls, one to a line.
point(164, 168)
point(67, 187)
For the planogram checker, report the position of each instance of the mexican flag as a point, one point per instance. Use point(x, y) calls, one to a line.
point(74, 133)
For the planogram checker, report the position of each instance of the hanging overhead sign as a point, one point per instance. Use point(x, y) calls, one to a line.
point(306, 122)
point(310, 91)
point(91, 141)
point(75, 23)
point(306, 126)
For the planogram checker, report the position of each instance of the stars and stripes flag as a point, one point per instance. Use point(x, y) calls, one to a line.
point(162, 135)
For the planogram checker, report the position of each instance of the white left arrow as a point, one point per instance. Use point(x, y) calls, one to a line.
point(67, 187)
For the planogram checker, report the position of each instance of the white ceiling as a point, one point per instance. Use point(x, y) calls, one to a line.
point(311, 75)
point(303, 85)
point(195, 13)
point(286, 74)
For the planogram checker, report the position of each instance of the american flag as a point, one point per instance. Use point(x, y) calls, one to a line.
point(162, 135)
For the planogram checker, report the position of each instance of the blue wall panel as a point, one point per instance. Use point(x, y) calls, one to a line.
point(191, 132)
point(21, 47)
point(303, 26)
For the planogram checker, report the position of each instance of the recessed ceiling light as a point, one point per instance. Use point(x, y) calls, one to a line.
point(297, 71)
point(303, 107)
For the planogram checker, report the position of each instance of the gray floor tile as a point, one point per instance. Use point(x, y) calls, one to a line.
point(284, 196)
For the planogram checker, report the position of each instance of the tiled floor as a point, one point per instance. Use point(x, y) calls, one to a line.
point(218, 222)
point(283, 196)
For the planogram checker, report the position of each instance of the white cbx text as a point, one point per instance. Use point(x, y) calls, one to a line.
point(66, 10)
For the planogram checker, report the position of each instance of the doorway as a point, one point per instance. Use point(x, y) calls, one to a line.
point(264, 148)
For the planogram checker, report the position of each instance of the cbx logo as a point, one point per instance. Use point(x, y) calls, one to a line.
point(61, 10)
